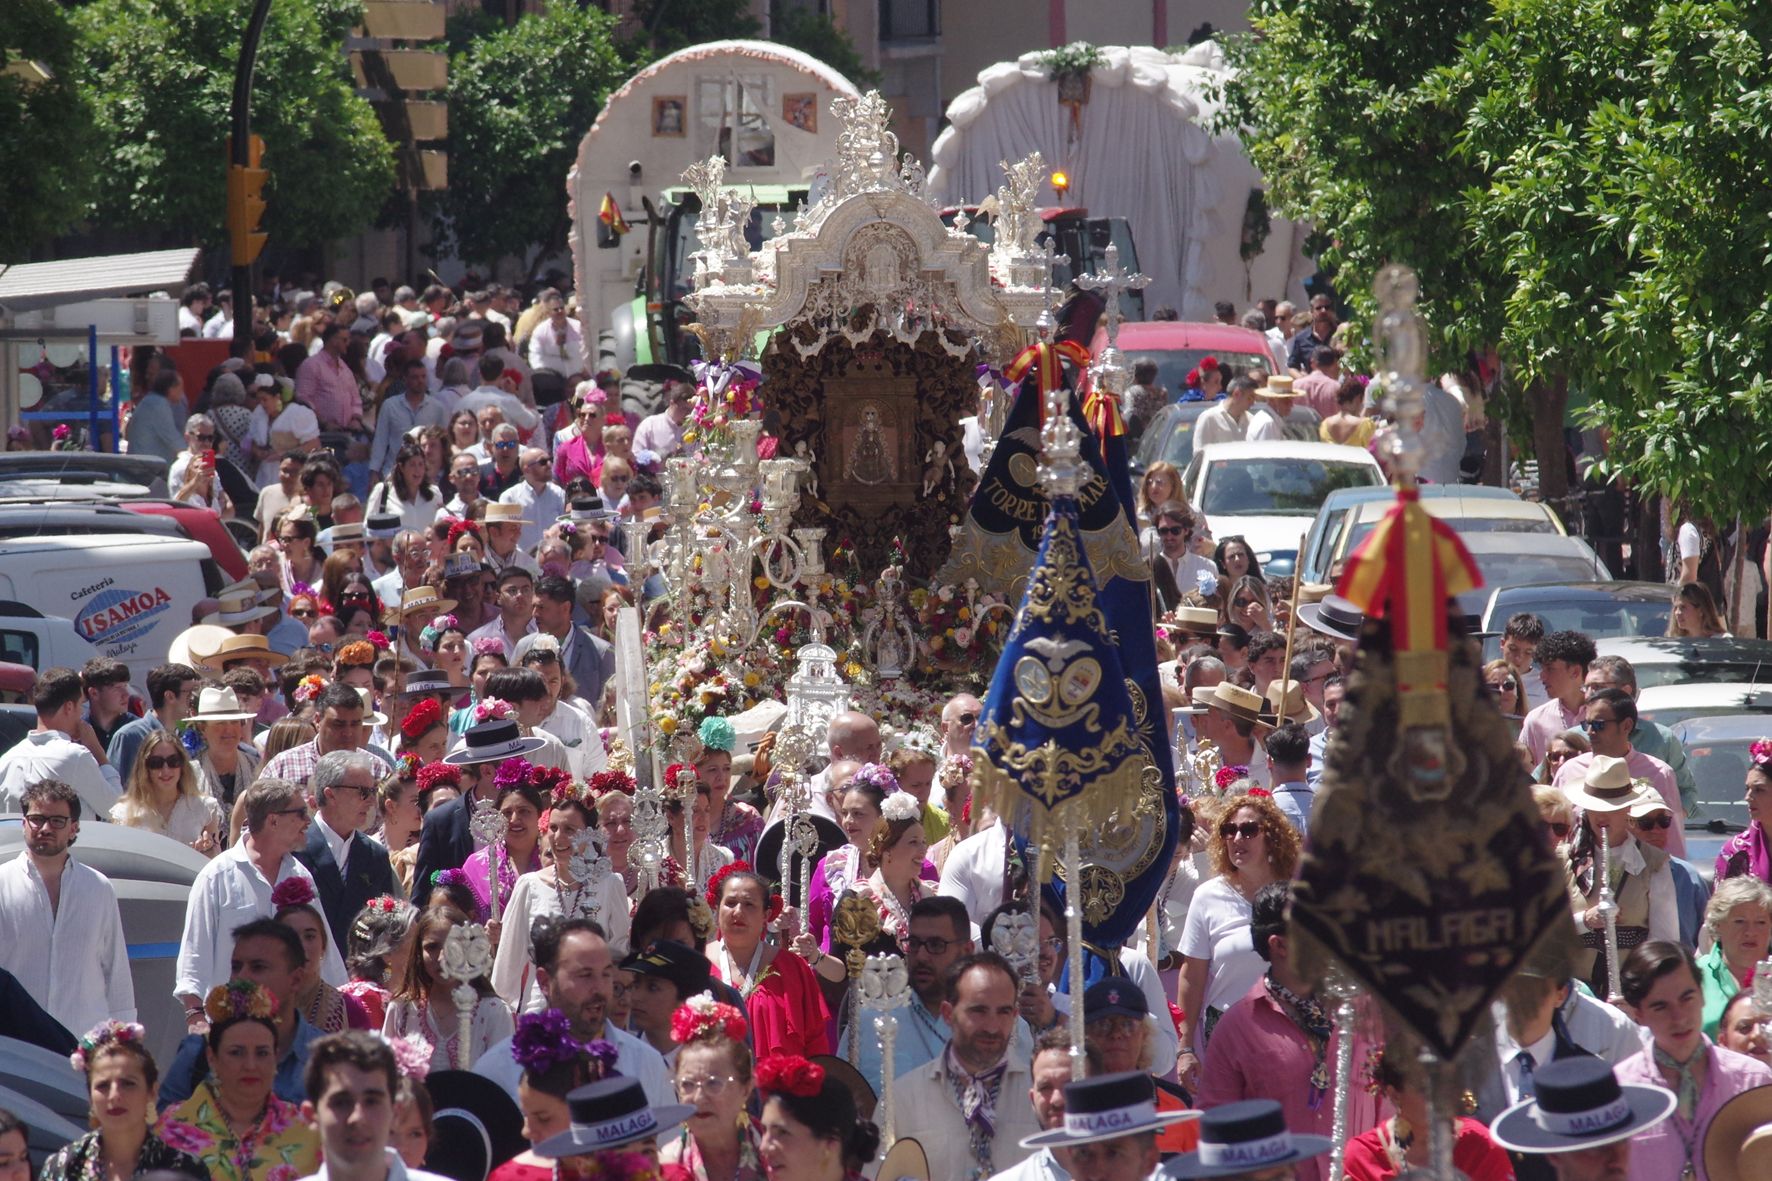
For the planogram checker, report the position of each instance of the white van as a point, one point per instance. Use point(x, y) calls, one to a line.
point(128, 595)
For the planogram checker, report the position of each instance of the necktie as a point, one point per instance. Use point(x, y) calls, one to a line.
point(1525, 1062)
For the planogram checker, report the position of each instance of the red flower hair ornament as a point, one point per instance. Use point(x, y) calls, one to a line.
point(701, 1016)
point(425, 715)
point(292, 892)
point(790, 1074)
point(718, 881)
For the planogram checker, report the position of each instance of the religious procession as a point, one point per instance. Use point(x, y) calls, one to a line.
point(884, 734)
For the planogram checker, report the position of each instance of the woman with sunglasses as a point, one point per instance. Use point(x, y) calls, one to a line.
point(162, 797)
point(1252, 846)
point(1248, 606)
point(1510, 694)
point(338, 566)
point(297, 536)
point(408, 489)
point(578, 447)
point(1739, 917)
point(1562, 748)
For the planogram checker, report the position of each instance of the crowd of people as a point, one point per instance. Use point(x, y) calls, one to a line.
point(420, 896)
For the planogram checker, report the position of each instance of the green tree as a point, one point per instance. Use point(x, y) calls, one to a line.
point(160, 77)
point(671, 25)
point(47, 146)
point(519, 102)
point(817, 35)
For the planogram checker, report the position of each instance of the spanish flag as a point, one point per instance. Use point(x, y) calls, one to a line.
point(610, 215)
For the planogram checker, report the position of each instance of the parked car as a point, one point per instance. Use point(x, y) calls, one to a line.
point(1600, 610)
point(1675, 660)
point(34, 517)
point(1349, 514)
point(1717, 754)
point(1270, 491)
point(1672, 704)
point(1179, 345)
point(29, 637)
point(84, 467)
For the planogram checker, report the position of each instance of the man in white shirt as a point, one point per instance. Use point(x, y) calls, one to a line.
point(974, 871)
point(61, 933)
point(1051, 1071)
point(536, 492)
point(1542, 1018)
point(1442, 436)
point(1228, 421)
point(221, 325)
point(354, 1091)
point(192, 306)
point(576, 975)
point(1269, 420)
point(235, 888)
point(1279, 337)
point(557, 344)
point(54, 750)
point(662, 433)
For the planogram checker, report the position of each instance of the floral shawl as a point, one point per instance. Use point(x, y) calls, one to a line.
point(83, 1160)
point(280, 1148)
point(682, 1156)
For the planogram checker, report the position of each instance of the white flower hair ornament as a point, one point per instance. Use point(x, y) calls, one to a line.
point(901, 805)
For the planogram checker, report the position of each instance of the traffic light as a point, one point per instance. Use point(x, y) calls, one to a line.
point(246, 204)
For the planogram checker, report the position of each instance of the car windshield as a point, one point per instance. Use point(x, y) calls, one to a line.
point(1249, 487)
point(1599, 619)
point(1695, 672)
point(1719, 768)
point(1173, 364)
point(1358, 530)
point(1515, 569)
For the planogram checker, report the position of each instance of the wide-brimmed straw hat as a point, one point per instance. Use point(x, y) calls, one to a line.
point(1278, 385)
point(243, 648)
point(219, 705)
point(1738, 1143)
point(1606, 787)
point(1243, 704)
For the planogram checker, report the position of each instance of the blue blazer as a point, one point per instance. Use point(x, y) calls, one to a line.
point(443, 843)
point(367, 874)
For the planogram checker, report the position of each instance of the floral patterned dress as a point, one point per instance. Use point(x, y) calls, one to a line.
point(479, 879)
point(738, 831)
point(84, 1160)
point(280, 1147)
point(682, 1156)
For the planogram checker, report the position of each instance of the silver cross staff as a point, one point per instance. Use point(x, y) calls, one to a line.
point(885, 987)
point(1110, 281)
point(489, 827)
point(466, 957)
point(589, 867)
point(1016, 937)
point(650, 828)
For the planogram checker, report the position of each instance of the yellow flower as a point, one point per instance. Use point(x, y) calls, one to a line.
point(852, 670)
point(689, 436)
point(752, 680)
point(667, 725)
point(965, 613)
point(761, 582)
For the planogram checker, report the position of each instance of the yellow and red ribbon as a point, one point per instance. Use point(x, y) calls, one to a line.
point(1044, 360)
point(1102, 412)
point(1405, 570)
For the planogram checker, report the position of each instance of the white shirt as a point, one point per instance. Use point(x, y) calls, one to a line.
point(580, 737)
point(1442, 436)
point(633, 1058)
point(1218, 425)
point(189, 321)
point(1189, 570)
point(513, 974)
point(74, 961)
point(1264, 424)
point(659, 435)
point(296, 420)
point(496, 630)
point(218, 327)
point(1217, 931)
point(515, 412)
point(230, 892)
point(974, 873)
point(548, 351)
point(397, 1171)
point(544, 504)
point(190, 815)
point(339, 847)
point(50, 754)
point(1042, 1166)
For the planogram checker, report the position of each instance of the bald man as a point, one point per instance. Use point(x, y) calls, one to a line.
point(543, 500)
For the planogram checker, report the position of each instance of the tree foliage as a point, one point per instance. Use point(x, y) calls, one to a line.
point(817, 35)
point(160, 77)
point(47, 147)
point(675, 24)
point(1582, 184)
point(519, 102)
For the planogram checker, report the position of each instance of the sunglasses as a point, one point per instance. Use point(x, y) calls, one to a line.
point(161, 762)
point(1595, 725)
point(1171, 531)
point(507, 445)
point(968, 719)
point(1248, 830)
point(1507, 686)
point(1557, 829)
point(203, 438)
point(1659, 820)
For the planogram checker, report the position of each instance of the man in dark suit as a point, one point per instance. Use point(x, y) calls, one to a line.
point(446, 840)
point(589, 660)
point(349, 868)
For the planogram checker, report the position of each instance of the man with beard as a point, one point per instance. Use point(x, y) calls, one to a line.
point(940, 936)
point(61, 933)
point(576, 975)
point(964, 1106)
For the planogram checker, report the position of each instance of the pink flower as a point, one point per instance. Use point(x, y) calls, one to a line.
point(185, 1138)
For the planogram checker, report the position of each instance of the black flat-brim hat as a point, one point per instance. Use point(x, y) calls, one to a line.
point(830, 836)
point(1334, 616)
point(476, 1127)
point(1243, 1137)
point(492, 742)
point(1107, 1107)
point(426, 680)
point(682, 965)
point(608, 1114)
point(1579, 1104)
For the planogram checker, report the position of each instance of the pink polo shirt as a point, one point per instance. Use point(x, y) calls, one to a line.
point(1645, 767)
point(1545, 723)
point(1659, 1153)
point(327, 386)
point(1258, 1052)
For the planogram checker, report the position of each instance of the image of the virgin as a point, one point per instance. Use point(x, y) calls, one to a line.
point(870, 453)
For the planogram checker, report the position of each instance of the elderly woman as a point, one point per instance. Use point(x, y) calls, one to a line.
point(1743, 1028)
point(1252, 846)
point(1739, 917)
point(226, 761)
point(712, 1072)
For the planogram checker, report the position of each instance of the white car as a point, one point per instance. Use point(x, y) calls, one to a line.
point(1268, 493)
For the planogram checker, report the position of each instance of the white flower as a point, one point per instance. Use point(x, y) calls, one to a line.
point(901, 805)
